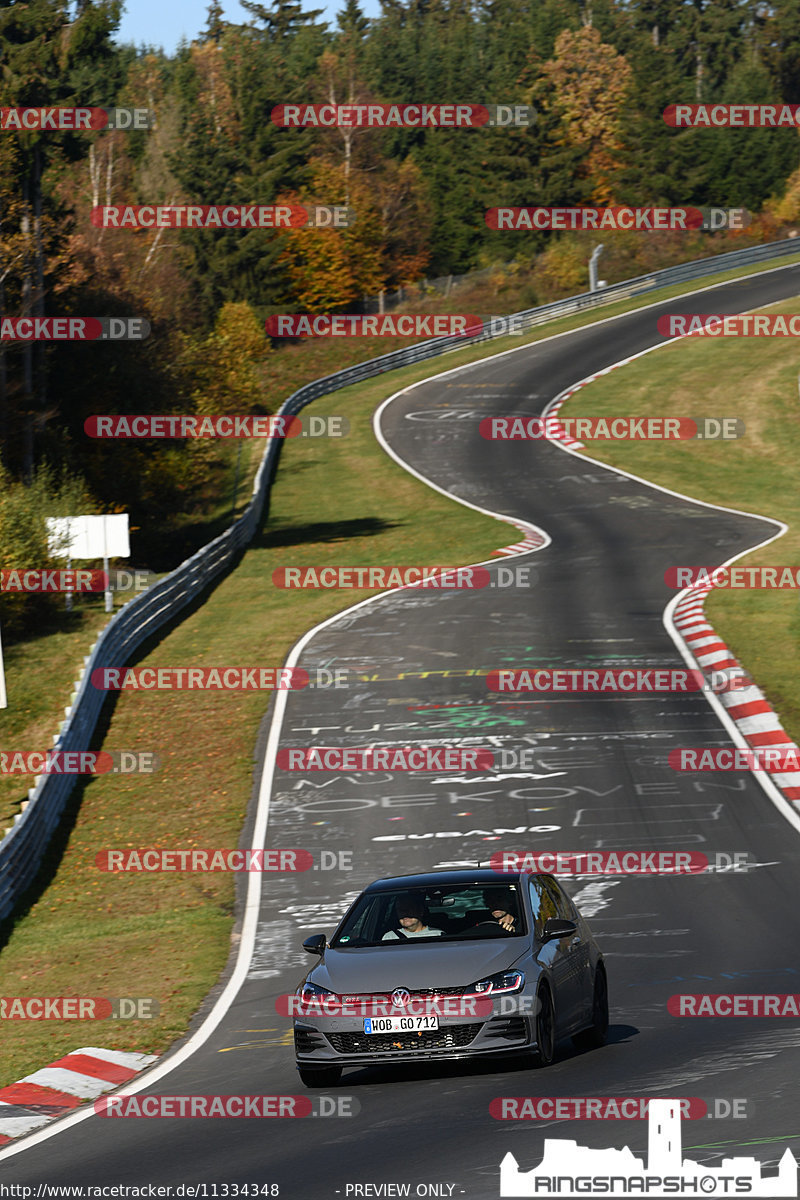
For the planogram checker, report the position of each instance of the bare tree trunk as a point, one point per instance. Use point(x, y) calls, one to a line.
point(3, 384)
point(27, 348)
point(38, 300)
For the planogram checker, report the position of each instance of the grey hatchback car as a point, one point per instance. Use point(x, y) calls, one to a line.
point(448, 965)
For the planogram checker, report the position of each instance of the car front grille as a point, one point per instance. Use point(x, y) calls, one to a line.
point(449, 1037)
point(440, 991)
point(386, 997)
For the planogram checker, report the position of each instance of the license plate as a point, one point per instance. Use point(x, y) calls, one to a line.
point(399, 1024)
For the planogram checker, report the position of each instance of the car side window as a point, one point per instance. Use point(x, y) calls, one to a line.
point(543, 904)
point(565, 909)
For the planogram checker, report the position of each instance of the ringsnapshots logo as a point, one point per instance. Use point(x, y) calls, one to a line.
point(568, 1169)
point(216, 679)
point(732, 116)
point(747, 325)
point(672, 680)
point(403, 116)
point(74, 329)
point(614, 429)
point(618, 218)
point(74, 120)
point(222, 216)
point(220, 426)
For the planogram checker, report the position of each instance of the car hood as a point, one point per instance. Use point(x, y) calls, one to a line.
point(381, 969)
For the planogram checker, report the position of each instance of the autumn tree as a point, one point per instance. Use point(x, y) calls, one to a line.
point(583, 88)
point(226, 363)
point(387, 244)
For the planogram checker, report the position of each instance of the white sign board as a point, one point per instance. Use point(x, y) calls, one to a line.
point(89, 537)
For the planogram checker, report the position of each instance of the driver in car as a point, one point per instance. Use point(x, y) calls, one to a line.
point(499, 901)
point(410, 917)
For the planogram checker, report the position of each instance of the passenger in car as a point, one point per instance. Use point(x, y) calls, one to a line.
point(410, 912)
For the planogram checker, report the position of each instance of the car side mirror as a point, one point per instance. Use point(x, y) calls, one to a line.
point(554, 928)
point(315, 944)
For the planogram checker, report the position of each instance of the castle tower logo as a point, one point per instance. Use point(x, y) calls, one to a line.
point(568, 1169)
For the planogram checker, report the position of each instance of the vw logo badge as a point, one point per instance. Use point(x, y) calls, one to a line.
point(401, 997)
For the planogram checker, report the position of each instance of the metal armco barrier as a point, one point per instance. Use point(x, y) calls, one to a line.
point(23, 847)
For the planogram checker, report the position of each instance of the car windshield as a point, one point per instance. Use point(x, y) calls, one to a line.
point(430, 915)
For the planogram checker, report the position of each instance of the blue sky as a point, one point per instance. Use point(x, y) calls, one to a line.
point(158, 24)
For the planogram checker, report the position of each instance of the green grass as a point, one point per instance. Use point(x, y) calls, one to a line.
point(756, 380)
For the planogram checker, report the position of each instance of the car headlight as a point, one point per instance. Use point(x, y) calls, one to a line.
point(309, 990)
point(493, 985)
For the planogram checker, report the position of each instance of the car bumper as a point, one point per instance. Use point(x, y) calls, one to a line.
point(317, 1046)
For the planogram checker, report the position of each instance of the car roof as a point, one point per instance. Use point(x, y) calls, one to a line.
point(463, 875)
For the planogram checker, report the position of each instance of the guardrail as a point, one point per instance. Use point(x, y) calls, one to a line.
point(23, 847)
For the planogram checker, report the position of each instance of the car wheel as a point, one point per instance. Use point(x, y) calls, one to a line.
point(597, 1034)
point(546, 1028)
point(318, 1077)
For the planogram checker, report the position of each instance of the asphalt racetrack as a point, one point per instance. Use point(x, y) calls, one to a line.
point(600, 780)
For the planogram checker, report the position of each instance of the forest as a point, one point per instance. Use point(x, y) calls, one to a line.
point(598, 75)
